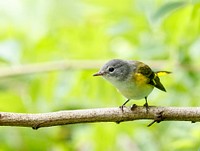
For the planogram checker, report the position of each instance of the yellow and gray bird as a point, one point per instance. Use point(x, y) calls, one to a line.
point(134, 79)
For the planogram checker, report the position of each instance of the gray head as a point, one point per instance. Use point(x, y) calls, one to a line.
point(115, 70)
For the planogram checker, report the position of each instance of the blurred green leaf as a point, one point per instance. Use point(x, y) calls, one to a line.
point(167, 9)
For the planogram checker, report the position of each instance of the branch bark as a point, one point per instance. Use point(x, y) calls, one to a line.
point(99, 115)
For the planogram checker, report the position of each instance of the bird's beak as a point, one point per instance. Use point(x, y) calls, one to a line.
point(99, 74)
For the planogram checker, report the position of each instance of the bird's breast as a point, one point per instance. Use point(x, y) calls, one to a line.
point(134, 88)
point(132, 91)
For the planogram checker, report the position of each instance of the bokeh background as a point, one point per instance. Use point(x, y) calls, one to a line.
point(162, 33)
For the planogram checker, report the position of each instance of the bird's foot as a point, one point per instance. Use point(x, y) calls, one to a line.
point(157, 119)
point(147, 107)
point(133, 107)
point(122, 107)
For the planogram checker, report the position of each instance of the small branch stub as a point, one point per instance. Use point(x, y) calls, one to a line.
point(157, 114)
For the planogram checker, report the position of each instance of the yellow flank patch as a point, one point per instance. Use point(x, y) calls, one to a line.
point(140, 78)
point(162, 73)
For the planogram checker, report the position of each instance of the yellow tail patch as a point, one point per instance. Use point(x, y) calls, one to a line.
point(162, 73)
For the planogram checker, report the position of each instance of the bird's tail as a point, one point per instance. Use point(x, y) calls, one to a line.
point(162, 73)
point(156, 81)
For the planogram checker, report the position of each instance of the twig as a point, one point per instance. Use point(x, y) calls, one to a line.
point(17, 70)
point(98, 115)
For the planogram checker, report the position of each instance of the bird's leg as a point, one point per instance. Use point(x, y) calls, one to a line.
point(123, 105)
point(146, 105)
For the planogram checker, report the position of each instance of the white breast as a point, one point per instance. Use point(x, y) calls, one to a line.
point(131, 91)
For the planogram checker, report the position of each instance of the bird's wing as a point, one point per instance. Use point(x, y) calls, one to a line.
point(152, 77)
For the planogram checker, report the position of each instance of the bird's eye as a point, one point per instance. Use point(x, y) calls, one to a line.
point(111, 69)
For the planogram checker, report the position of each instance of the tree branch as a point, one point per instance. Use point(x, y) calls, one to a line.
point(18, 70)
point(99, 115)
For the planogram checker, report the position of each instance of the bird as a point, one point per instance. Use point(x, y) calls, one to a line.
point(133, 79)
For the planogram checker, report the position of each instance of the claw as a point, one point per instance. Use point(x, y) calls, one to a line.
point(134, 106)
point(123, 105)
point(122, 108)
point(157, 119)
point(146, 105)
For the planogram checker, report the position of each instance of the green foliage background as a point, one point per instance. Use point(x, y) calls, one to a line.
point(36, 31)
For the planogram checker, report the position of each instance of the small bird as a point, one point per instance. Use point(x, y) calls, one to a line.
point(133, 79)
